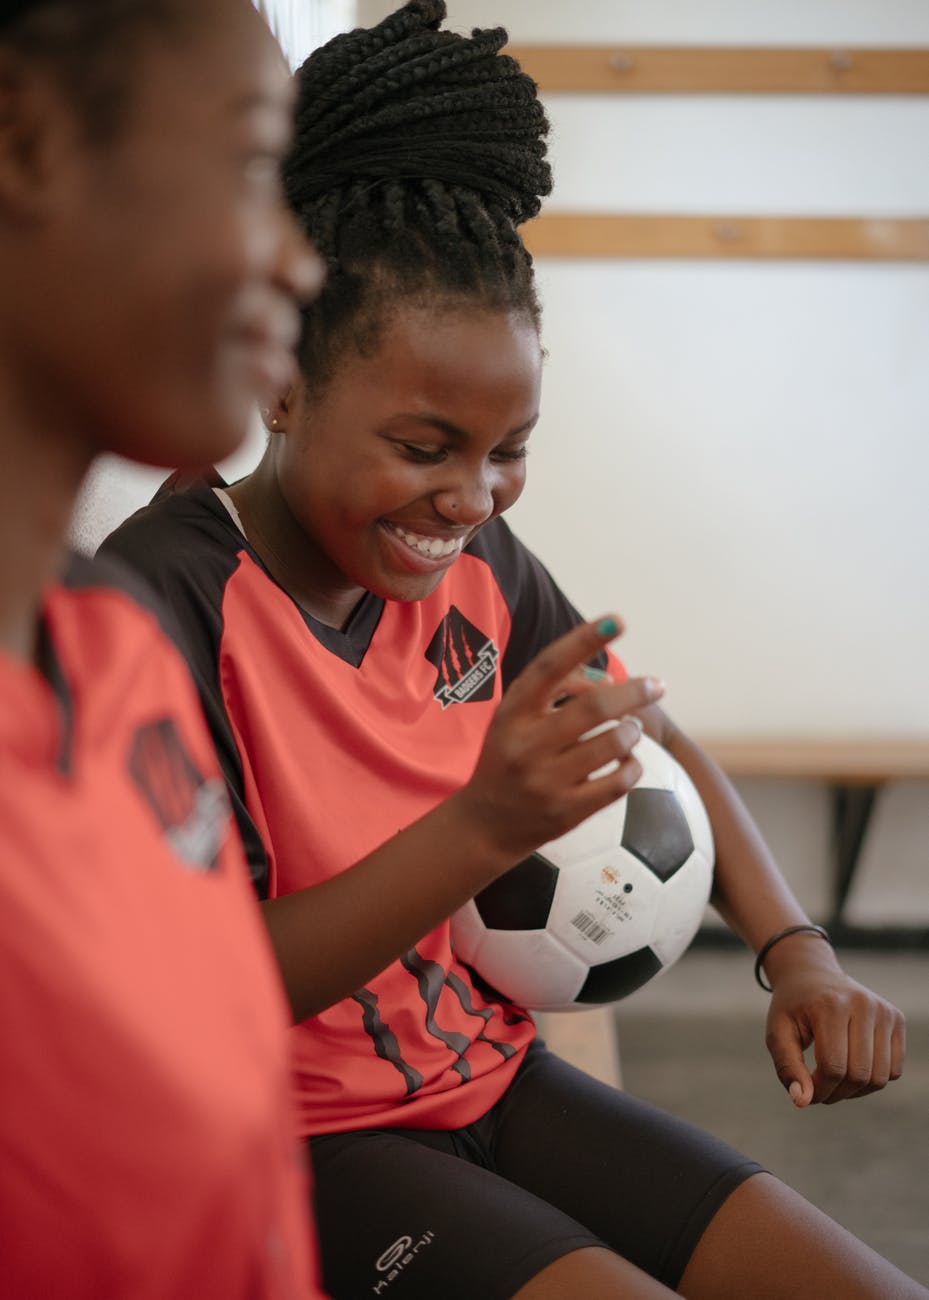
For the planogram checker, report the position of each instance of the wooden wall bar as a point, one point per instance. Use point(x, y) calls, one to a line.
point(851, 759)
point(608, 235)
point(666, 69)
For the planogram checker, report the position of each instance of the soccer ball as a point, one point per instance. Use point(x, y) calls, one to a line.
point(592, 916)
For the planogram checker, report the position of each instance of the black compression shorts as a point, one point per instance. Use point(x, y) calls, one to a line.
point(560, 1163)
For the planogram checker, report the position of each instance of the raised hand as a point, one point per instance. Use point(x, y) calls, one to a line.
point(533, 780)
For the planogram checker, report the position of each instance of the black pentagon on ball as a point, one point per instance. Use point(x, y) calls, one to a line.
point(656, 831)
point(612, 980)
point(521, 899)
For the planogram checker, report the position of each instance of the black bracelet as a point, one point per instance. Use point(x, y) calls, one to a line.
point(782, 934)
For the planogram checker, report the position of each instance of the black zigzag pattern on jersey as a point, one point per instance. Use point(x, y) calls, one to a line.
point(385, 1040)
point(463, 993)
point(430, 977)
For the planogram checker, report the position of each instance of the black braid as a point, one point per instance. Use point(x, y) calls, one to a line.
point(417, 154)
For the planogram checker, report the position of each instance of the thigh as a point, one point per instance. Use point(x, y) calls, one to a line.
point(644, 1182)
point(406, 1218)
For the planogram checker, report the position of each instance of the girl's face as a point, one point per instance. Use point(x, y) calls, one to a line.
point(162, 267)
point(391, 470)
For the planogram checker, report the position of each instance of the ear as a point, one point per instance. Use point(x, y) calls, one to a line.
point(36, 139)
point(278, 414)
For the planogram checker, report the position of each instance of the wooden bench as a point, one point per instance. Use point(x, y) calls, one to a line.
point(855, 769)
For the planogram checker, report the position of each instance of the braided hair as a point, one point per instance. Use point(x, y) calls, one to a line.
point(417, 154)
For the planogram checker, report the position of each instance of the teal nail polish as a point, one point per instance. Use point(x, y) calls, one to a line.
point(595, 674)
point(608, 627)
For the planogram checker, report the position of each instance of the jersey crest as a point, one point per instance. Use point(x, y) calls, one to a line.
point(465, 659)
point(191, 810)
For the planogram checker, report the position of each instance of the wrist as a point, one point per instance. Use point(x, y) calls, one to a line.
point(479, 846)
point(803, 944)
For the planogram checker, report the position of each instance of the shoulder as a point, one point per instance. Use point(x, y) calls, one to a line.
point(86, 577)
point(514, 567)
point(183, 544)
point(184, 516)
point(108, 591)
point(539, 609)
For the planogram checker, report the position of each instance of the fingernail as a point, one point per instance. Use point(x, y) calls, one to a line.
point(630, 732)
point(655, 687)
point(595, 674)
point(608, 627)
point(796, 1092)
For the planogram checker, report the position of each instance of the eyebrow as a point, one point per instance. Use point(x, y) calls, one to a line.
point(453, 430)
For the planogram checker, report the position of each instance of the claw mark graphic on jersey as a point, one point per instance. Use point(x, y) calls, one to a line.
point(192, 811)
point(466, 660)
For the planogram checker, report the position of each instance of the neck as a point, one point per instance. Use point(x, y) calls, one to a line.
point(293, 558)
point(42, 472)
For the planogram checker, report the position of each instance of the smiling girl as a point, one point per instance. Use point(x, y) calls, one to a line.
point(380, 659)
point(148, 273)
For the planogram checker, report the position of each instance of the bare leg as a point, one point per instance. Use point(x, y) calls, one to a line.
point(593, 1274)
point(767, 1242)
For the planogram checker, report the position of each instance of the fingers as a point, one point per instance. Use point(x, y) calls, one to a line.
point(546, 678)
point(533, 780)
point(859, 1045)
point(593, 715)
point(786, 1043)
point(875, 1048)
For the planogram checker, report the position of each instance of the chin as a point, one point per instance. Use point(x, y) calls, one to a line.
point(190, 438)
point(408, 589)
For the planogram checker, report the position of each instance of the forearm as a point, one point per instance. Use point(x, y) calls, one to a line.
point(858, 1038)
point(749, 890)
point(330, 938)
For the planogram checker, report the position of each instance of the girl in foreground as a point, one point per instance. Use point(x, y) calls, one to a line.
point(148, 273)
point(378, 657)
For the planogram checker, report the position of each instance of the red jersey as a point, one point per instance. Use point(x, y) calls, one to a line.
point(334, 740)
point(147, 1149)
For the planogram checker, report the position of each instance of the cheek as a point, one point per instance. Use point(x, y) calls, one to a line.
point(510, 486)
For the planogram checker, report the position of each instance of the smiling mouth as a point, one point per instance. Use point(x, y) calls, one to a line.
point(431, 548)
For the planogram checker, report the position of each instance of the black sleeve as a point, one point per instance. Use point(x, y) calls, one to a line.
point(540, 610)
point(186, 552)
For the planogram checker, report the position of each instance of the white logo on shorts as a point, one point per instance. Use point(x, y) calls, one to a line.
point(394, 1253)
point(397, 1257)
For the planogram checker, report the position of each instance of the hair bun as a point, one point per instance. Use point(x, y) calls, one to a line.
point(405, 101)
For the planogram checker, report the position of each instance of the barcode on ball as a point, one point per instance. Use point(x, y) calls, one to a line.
point(590, 927)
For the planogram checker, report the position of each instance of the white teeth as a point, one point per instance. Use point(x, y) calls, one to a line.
point(433, 547)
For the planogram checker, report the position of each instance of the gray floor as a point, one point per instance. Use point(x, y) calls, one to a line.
point(693, 1042)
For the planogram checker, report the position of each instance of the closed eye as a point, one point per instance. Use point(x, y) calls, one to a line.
point(424, 455)
point(516, 453)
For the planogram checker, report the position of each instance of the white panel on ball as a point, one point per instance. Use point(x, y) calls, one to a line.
point(533, 966)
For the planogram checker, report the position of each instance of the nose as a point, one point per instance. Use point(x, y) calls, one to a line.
point(300, 270)
point(470, 499)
